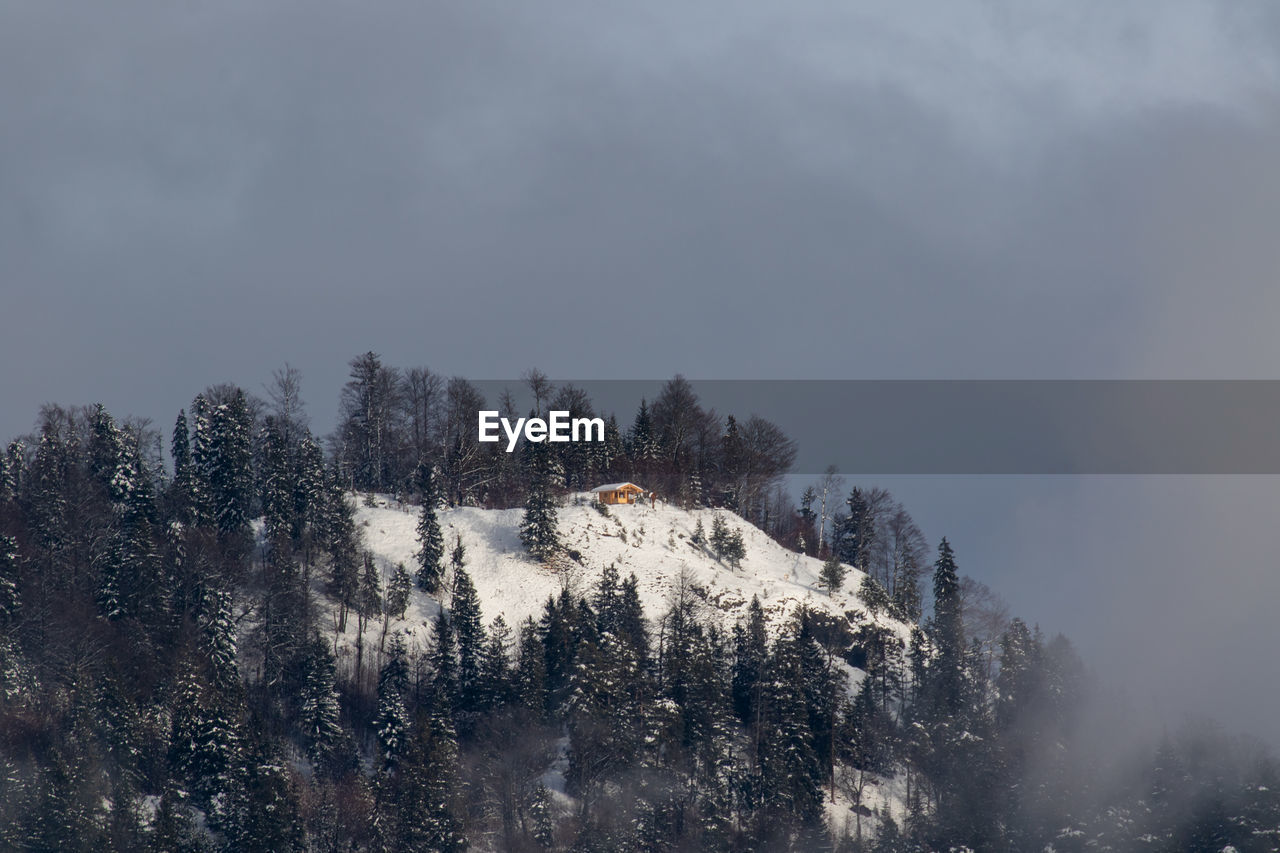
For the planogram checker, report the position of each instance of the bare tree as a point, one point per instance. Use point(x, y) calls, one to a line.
point(767, 454)
point(370, 409)
point(831, 485)
point(540, 387)
point(285, 393)
point(986, 617)
point(423, 397)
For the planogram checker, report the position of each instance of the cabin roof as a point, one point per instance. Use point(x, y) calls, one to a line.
point(617, 487)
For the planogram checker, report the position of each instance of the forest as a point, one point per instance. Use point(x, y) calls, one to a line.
point(169, 677)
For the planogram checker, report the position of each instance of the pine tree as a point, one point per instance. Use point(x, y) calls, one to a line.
point(369, 596)
point(278, 484)
point(444, 661)
point(399, 589)
point(641, 443)
point(749, 657)
point(203, 463)
point(343, 549)
point(727, 544)
point(430, 540)
point(531, 670)
point(790, 774)
point(231, 463)
point(180, 490)
point(308, 495)
point(538, 529)
point(319, 714)
point(470, 633)
point(392, 724)
point(948, 633)
point(442, 829)
point(832, 575)
point(272, 821)
point(10, 601)
point(851, 534)
point(542, 824)
point(495, 687)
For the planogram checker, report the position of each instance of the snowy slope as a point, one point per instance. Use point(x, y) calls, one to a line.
point(652, 542)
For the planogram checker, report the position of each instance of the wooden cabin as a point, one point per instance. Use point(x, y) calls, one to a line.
point(618, 493)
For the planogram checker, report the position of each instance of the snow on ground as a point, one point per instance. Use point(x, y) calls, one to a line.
point(654, 542)
point(651, 541)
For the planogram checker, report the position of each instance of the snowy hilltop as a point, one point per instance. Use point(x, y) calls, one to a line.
point(656, 543)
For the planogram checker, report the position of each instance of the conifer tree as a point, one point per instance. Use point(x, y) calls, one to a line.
point(343, 549)
point(444, 661)
point(538, 529)
point(470, 633)
point(231, 473)
point(948, 634)
point(749, 658)
point(10, 601)
point(180, 490)
point(399, 589)
point(495, 687)
point(832, 574)
point(319, 713)
point(309, 495)
point(531, 670)
point(278, 483)
point(430, 539)
point(392, 724)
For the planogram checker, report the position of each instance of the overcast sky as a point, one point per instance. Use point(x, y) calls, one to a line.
point(195, 193)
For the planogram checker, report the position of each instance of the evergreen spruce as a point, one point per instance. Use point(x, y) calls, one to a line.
point(430, 539)
point(318, 711)
point(470, 634)
point(392, 724)
point(832, 574)
point(539, 531)
point(399, 589)
point(10, 601)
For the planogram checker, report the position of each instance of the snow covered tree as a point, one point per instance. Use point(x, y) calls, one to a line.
point(342, 545)
point(399, 589)
point(727, 543)
point(699, 536)
point(539, 531)
point(495, 687)
point(444, 659)
point(790, 774)
point(219, 635)
point(750, 655)
point(393, 725)
point(278, 482)
point(530, 678)
point(430, 539)
point(832, 574)
point(319, 713)
point(470, 633)
point(10, 602)
point(948, 633)
point(181, 489)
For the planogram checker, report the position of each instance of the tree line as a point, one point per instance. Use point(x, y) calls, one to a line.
point(168, 677)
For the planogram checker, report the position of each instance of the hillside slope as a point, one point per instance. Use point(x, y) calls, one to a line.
point(653, 542)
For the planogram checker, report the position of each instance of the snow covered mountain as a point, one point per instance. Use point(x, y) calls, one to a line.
point(654, 542)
